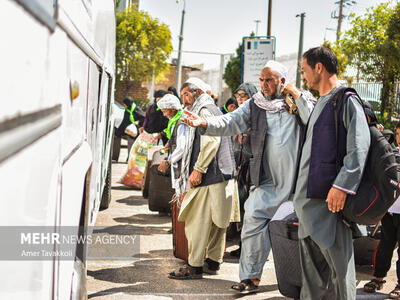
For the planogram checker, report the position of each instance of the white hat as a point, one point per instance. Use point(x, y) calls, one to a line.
point(277, 67)
point(169, 101)
point(199, 83)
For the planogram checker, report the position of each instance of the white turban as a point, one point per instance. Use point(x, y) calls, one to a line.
point(277, 67)
point(169, 101)
point(199, 83)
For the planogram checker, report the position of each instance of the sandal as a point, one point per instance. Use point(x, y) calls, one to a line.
point(395, 294)
point(373, 285)
point(245, 286)
point(185, 273)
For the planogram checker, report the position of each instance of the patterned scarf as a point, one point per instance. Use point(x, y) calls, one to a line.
point(272, 106)
point(183, 180)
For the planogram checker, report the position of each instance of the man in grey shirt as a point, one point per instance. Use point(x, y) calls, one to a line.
point(326, 248)
point(274, 138)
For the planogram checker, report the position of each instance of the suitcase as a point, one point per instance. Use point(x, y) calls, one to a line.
point(160, 189)
point(146, 179)
point(283, 235)
point(179, 241)
point(285, 250)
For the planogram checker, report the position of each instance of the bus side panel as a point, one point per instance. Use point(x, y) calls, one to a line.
point(73, 180)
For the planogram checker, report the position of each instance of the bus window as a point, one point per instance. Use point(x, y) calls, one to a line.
point(43, 10)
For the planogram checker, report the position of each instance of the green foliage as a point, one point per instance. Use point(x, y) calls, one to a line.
point(342, 58)
point(233, 70)
point(372, 46)
point(387, 122)
point(142, 44)
point(117, 3)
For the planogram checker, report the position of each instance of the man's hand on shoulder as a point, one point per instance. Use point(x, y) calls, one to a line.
point(195, 178)
point(336, 200)
point(292, 90)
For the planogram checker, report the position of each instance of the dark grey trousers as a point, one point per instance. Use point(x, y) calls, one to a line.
point(333, 267)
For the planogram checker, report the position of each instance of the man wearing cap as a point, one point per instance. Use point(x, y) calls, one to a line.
point(274, 137)
point(171, 108)
point(207, 170)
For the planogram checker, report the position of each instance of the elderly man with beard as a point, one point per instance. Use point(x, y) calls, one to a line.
point(275, 138)
point(207, 167)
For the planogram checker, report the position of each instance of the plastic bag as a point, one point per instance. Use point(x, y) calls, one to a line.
point(137, 160)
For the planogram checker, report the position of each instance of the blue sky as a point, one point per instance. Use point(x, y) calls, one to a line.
point(219, 25)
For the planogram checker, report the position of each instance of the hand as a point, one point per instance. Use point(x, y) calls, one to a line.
point(336, 200)
point(380, 127)
point(163, 167)
point(292, 90)
point(195, 178)
point(159, 136)
point(193, 120)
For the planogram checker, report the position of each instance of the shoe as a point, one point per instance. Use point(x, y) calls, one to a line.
point(210, 267)
point(236, 253)
point(186, 273)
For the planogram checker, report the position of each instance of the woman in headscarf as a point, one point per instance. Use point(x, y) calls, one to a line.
point(229, 106)
point(244, 92)
point(132, 115)
point(155, 121)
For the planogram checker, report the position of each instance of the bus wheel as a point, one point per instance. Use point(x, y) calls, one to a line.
point(106, 197)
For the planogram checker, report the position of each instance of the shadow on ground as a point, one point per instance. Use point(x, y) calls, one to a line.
point(145, 219)
point(133, 230)
point(133, 201)
point(149, 277)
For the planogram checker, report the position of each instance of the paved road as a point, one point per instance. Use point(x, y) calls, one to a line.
point(145, 276)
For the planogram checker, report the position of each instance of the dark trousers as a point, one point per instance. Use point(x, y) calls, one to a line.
point(386, 246)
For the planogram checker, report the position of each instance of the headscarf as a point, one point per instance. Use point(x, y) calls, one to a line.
point(249, 88)
point(159, 94)
point(173, 90)
point(131, 106)
point(169, 101)
point(229, 102)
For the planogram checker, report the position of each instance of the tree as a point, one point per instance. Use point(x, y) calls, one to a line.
point(143, 44)
point(342, 58)
point(233, 70)
point(370, 49)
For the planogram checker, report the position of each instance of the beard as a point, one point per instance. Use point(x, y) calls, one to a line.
point(276, 94)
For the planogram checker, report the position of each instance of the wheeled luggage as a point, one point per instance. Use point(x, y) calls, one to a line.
point(179, 241)
point(283, 233)
point(160, 188)
point(146, 177)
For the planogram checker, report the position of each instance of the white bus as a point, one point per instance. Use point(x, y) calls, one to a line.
point(57, 60)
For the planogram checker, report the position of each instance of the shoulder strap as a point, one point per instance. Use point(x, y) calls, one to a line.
point(337, 99)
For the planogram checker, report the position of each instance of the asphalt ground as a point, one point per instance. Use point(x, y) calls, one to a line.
point(145, 275)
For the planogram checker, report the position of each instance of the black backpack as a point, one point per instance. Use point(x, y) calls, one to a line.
point(380, 183)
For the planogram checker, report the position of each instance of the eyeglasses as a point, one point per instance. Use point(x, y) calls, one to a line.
point(241, 95)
